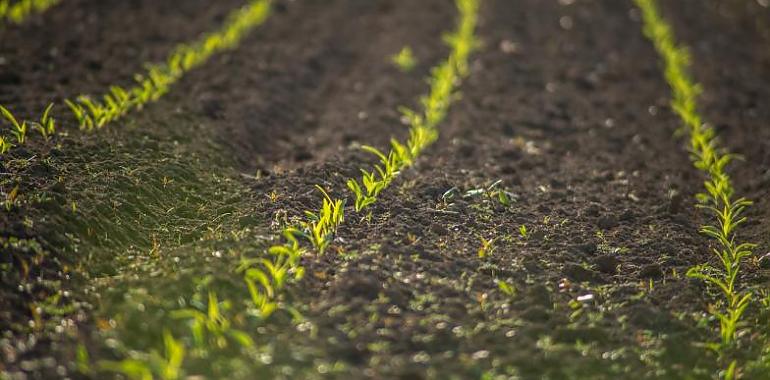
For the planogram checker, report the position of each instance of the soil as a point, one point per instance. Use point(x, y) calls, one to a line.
point(565, 108)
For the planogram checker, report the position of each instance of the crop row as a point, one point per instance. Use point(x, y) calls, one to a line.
point(19, 11)
point(267, 276)
point(92, 112)
point(718, 200)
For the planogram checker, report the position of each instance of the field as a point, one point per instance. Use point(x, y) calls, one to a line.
point(384, 189)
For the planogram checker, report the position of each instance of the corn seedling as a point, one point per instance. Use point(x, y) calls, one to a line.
point(506, 288)
point(405, 59)
point(523, 232)
point(93, 112)
point(153, 366)
point(487, 247)
point(423, 129)
point(319, 227)
point(18, 128)
point(213, 324)
point(719, 199)
point(47, 124)
point(19, 11)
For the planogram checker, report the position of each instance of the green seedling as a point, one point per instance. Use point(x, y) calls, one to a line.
point(47, 124)
point(487, 247)
point(20, 11)
point(523, 232)
point(153, 366)
point(719, 199)
point(213, 324)
point(405, 59)
point(319, 227)
point(422, 125)
point(506, 288)
point(18, 128)
point(5, 145)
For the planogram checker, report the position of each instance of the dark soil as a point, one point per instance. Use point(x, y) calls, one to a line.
point(565, 105)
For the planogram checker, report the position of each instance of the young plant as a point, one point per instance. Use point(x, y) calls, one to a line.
point(405, 59)
point(319, 227)
point(719, 199)
point(18, 128)
point(47, 124)
point(213, 324)
point(487, 247)
point(19, 11)
point(153, 366)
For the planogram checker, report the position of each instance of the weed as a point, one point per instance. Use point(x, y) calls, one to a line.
point(719, 199)
point(405, 59)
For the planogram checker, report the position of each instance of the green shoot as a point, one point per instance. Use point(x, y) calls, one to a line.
point(19, 128)
point(719, 199)
point(213, 324)
point(487, 247)
point(19, 11)
point(167, 366)
point(506, 288)
point(523, 232)
point(47, 124)
point(5, 145)
point(266, 277)
point(320, 227)
point(405, 59)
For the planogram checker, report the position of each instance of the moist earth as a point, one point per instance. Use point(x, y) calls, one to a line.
point(565, 110)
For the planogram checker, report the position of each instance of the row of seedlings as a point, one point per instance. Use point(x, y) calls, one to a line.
point(718, 199)
point(93, 112)
point(19, 11)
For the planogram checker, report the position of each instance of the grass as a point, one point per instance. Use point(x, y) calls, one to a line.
point(21, 10)
point(718, 200)
point(96, 112)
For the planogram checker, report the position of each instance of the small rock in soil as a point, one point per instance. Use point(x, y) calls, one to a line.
point(578, 273)
point(536, 314)
point(651, 271)
point(585, 335)
point(539, 295)
point(592, 210)
point(674, 203)
point(607, 264)
point(607, 222)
